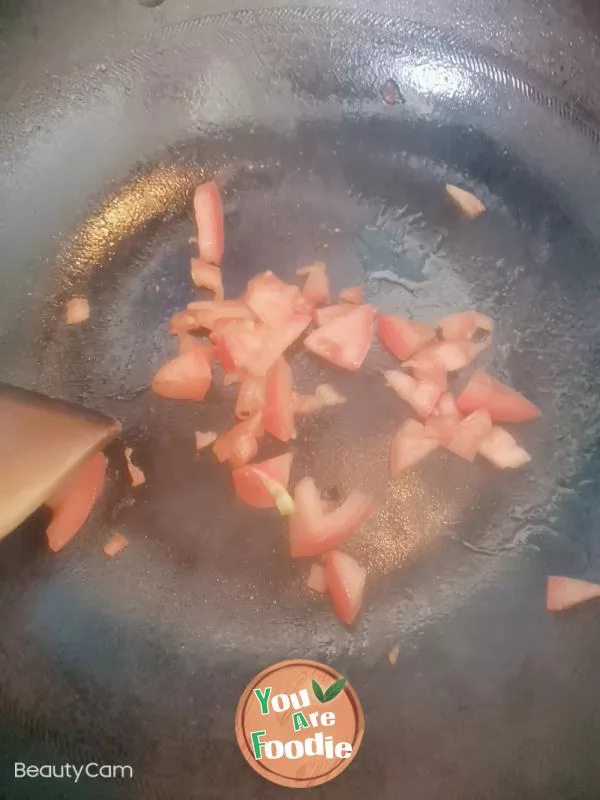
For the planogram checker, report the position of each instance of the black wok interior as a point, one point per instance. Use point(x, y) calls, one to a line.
point(332, 135)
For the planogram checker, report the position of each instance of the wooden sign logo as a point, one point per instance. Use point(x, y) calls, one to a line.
point(299, 723)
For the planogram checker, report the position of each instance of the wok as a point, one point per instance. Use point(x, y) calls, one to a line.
point(331, 134)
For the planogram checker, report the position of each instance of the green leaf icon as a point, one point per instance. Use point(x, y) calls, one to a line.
point(335, 688)
point(318, 691)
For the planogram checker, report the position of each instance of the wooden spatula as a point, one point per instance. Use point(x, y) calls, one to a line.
point(41, 442)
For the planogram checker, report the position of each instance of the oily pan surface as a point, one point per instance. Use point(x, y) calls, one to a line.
point(313, 166)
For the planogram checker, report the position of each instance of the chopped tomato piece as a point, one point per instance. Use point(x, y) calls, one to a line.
point(274, 301)
point(207, 276)
point(451, 355)
point(420, 395)
point(187, 343)
point(502, 450)
point(278, 415)
point(353, 294)
point(324, 315)
point(135, 473)
point(78, 310)
point(324, 396)
point(344, 341)
point(469, 435)
point(470, 205)
point(431, 372)
point(244, 346)
point(115, 544)
point(316, 287)
point(444, 419)
point(411, 444)
point(464, 325)
point(72, 502)
point(503, 403)
point(403, 337)
point(314, 530)
point(251, 489)
point(251, 399)
point(208, 313)
point(239, 445)
point(316, 580)
point(186, 377)
point(204, 439)
point(208, 211)
point(563, 593)
point(346, 585)
point(183, 322)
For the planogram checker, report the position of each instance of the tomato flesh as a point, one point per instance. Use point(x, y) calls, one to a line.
point(345, 341)
point(249, 487)
point(353, 294)
point(403, 337)
point(420, 395)
point(324, 315)
point(469, 434)
point(239, 445)
point(278, 416)
point(251, 397)
point(316, 287)
point(345, 580)
point(452, 356)
point(464, 325)
point(502, 450)
point(186, 377)
point(503, 403)
point(208, 212)
point(411, 444)
point(563, 593)
point(272, 300)
point(245, 346)
point(72, 502)
point(207, 276)
point(314, 530)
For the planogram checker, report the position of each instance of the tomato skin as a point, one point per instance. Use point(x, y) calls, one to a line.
point(186, 377)
point(278, 415)
point(208, 212)
point(411, 444)
point(72, 502)
point(313, 530)
point(401, 336)
point(251, 490)
point(563, 593)
point(503, 403)
point(239, 444)
point(346, 584)
point(345, 341)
